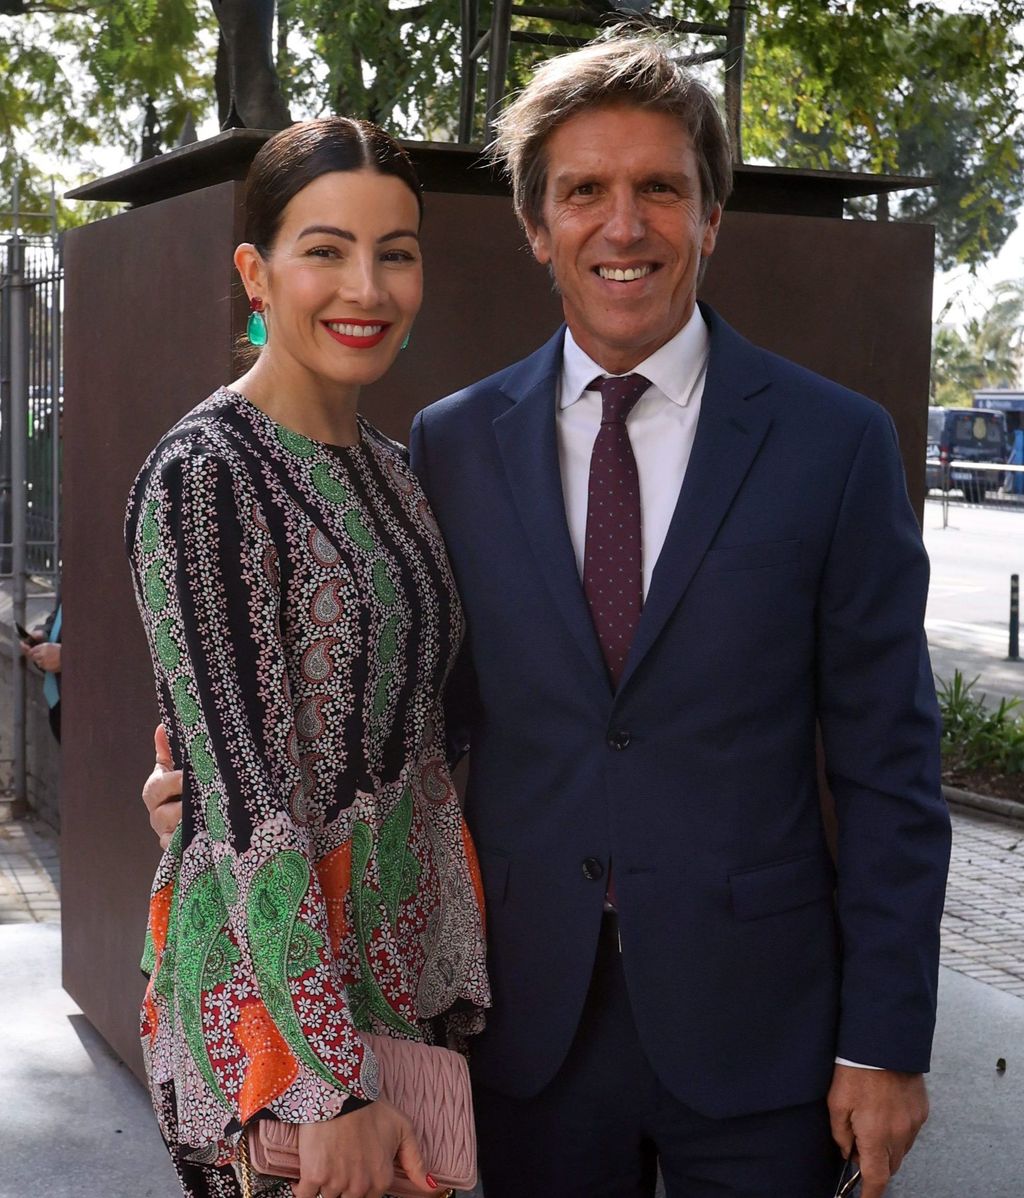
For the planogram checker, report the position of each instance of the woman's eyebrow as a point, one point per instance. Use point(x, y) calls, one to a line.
point(330, 230)
point(346, 235)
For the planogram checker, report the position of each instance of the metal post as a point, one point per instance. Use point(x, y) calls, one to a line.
point(5, 419)
point(1014, 654)
point(56, 383)
point(734, 42)
point(19, 469)
point(497, 62)
point(945, 495)
point(467, 98)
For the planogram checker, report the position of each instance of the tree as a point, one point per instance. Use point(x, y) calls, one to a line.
point(902, 87)
point(77, 76)
point(988, 353)
point(882, 85)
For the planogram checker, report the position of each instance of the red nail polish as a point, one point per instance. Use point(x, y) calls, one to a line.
point(431, 1182)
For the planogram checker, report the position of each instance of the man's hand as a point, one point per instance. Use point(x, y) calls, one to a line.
point(354, 1155)
point(45, 655)
point(876, 1114)
point(162, 790)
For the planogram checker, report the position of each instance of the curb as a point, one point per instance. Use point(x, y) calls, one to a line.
point(1007, 808)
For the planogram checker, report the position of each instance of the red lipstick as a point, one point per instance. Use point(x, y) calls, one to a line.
point(364, 341)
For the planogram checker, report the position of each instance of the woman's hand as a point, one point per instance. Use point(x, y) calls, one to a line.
point(354, 1156)
point(162, 790)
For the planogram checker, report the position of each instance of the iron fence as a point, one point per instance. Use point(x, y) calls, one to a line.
point(31, 398)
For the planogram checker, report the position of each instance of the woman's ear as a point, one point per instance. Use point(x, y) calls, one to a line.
point(252, 269)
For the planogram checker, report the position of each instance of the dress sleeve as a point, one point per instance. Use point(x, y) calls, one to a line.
point(245, 992)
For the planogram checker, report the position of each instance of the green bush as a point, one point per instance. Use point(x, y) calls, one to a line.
point(975, 736)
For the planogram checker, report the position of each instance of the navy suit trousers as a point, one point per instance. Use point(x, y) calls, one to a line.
point(605, 1123)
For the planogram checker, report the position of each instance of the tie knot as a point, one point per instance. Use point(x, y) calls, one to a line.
point(619, 395)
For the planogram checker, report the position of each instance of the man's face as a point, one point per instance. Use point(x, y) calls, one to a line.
point(623, 229)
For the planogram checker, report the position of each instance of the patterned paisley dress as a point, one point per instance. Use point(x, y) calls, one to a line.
point(302, 619)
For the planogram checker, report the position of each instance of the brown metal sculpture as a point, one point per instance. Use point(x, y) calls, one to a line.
point(249, 92)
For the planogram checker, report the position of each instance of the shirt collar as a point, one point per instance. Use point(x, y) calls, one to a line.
point(674, 368)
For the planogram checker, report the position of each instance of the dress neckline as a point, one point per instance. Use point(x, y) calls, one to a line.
point(243, 401)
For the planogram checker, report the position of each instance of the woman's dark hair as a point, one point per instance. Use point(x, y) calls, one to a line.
point(296, 156)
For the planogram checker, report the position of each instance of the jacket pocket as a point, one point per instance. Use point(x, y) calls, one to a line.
point(782, 885)
point(755, 556)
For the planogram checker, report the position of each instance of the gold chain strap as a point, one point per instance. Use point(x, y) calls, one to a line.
point(244, 1166)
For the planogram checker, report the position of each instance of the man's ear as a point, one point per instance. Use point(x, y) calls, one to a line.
point(540, 241)
point(710, 238)
point(252, 269)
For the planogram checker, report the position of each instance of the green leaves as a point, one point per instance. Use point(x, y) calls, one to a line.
point(76, 77)
point(898, 87)
point(975, 736)
point(989, 352)
point(392, 63)
point(906, 86)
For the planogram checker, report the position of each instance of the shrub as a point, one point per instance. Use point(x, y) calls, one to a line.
point(975, 736)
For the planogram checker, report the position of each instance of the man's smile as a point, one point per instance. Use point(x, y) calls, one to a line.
point(626, 274)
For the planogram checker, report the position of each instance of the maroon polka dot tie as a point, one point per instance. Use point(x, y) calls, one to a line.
point(613, 556)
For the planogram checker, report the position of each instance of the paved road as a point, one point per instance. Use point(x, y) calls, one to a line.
point(969, 599)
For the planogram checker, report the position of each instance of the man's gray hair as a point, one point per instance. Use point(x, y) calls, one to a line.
point(638, 70)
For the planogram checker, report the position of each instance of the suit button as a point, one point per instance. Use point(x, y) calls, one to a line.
point(619, 740)
point(592, 869)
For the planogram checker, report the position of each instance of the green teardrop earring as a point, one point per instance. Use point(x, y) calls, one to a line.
point(408, 338)
point(256, 329)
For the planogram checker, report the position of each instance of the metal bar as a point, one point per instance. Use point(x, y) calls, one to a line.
point(997, 467)
point(56, 387)
point(945, 495)
point(693, 60)
point(497, 66)
point(5, 419)
point(1014, 654)
point(19, 445)
point(467, 85)
point(735, 41)
point(481, 46)
point(564, 41)
point(589, 16)
point(543, 12)
point(699, 27)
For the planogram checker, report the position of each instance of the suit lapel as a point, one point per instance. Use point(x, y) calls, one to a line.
point(730, 431)
point(529, 450)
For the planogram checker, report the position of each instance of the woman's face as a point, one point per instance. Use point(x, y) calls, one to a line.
point(344, 278)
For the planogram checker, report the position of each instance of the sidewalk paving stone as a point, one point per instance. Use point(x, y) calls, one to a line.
point(973, 1146)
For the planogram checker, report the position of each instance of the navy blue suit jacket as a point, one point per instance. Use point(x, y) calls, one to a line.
point(789, 596)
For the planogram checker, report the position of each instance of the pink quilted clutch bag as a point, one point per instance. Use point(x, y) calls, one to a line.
point(430, 1086)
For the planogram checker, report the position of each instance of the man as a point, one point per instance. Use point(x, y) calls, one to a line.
point(757, 571)
point(680, 557)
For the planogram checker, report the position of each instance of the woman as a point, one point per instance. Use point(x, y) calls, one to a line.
point(302, 618)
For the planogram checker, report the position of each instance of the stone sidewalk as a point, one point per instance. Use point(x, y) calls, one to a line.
point(973, 1146)
point(983, 926)
point(29, 873)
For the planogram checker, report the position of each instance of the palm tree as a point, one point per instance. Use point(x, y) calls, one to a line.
point(987, 354)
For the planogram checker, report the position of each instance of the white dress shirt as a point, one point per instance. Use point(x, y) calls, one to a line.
point(662, 427)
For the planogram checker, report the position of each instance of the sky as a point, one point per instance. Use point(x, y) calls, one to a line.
point(968, 296)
